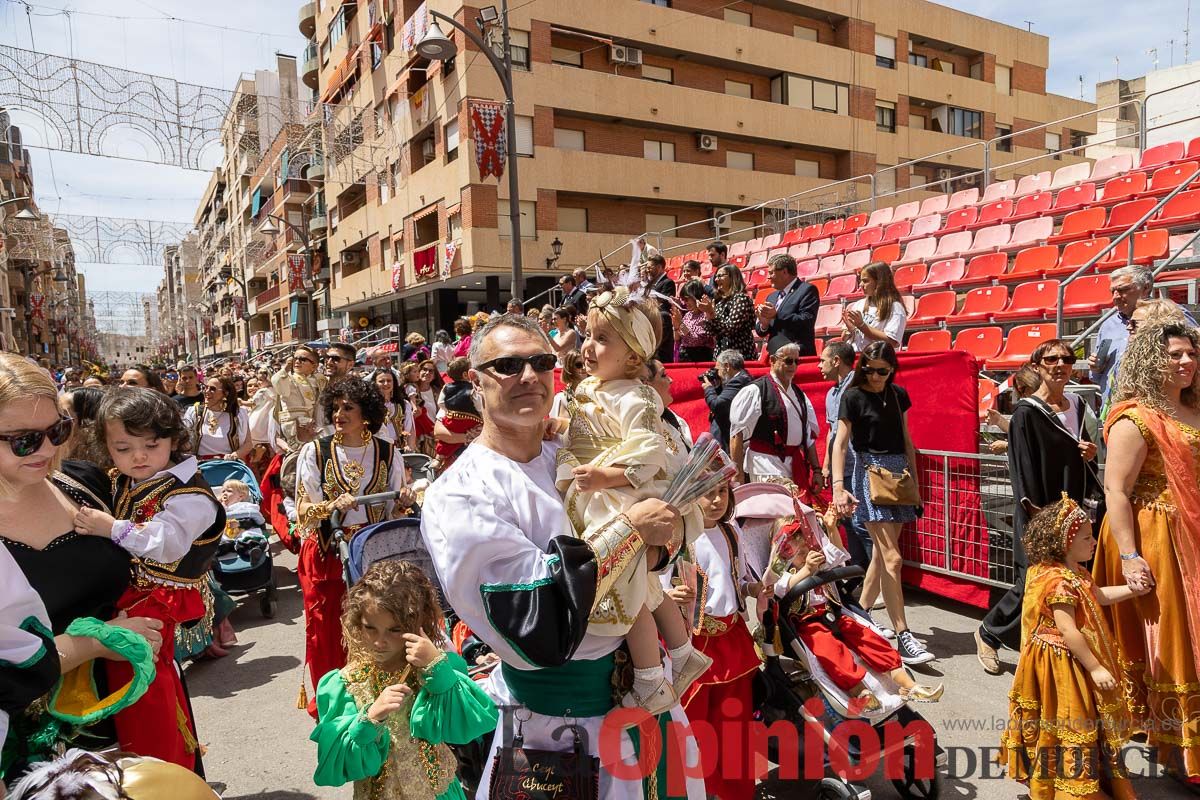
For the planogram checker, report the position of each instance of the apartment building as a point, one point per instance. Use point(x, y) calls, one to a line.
point(176, 298)
point(653, 115)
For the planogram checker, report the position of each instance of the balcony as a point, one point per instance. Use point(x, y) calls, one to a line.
point(308, 19)
point(311, 65)
point(263, 299)
point(318, 223)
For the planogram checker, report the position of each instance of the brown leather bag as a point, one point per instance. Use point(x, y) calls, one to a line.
point(889, 488)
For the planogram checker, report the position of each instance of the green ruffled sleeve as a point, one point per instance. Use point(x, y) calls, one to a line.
point(349, 746)
point(450, 707)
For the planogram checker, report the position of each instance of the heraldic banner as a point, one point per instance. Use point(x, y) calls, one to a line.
point(490, 135)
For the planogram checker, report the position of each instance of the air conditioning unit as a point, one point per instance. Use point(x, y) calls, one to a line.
point(623, 54)
point(722, 219)
point(706, 142)
point(351, 258)
point(944, 174)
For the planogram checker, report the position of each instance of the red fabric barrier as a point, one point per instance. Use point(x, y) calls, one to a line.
point(944, 392)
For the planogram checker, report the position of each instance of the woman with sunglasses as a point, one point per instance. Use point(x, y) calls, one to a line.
point(730, 314)
point(78, 578)
point(1050, 451)
point(298, 386)
point(220, 426)
point(873, 420)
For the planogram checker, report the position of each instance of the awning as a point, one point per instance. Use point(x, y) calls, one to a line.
point(347, 65)
point(425, 212)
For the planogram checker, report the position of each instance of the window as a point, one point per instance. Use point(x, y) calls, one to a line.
point(1054, 144)
point(573, 219)
point(454, 226)
point(337, 28)
point(451, 132)
point(1003, 79)
point(662, 3)
point(661, 222)
point(376, 54)
point(567, 139)
point(825, 96)
point(528, 219)
point(916, 181)
point(806, 168)
point(385, 187)
point(737, 17)
point(804, 32)
point(1004, 145)
point(976, 71)
point(518, 47)
point(885, 51)
point(566, 57)
point(962, 122)
point(885, 116)
point(918, 60)
point(1078, 139)
point(916, 121)
point(802, 92)
point(736, 160)
point(659, 74)
point(659, 151)
point(739, 89)
point(524, 135)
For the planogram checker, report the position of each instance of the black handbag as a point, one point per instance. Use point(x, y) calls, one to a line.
point(521, 773)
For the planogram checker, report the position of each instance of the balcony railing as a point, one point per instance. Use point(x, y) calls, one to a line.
point(269, 296)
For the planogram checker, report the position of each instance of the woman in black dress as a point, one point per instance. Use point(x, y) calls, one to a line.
point(76, 576)
point(731, 314)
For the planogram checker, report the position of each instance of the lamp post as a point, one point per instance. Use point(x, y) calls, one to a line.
point(556, 248)
point(226, 274)
point(436, 46)
point(269, 228)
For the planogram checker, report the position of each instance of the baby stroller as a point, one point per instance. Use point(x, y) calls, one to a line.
point(791, 676)
point(244, 565)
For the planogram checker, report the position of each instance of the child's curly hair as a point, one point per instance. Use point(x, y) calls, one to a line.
point(400, 588)
point(1045, 541)
point(143, 412)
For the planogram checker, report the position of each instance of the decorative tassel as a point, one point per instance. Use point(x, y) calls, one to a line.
point(189, 741)
point(302, 700)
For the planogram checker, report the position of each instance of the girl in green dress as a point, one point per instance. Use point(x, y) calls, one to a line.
point(386, 718)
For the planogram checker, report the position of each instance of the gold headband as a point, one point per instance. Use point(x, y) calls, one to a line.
point(632, 325)
point(1070, 519)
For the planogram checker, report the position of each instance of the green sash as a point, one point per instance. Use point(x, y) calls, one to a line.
point(577, 689)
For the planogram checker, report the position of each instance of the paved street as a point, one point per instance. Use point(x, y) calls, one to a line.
point(258, 740)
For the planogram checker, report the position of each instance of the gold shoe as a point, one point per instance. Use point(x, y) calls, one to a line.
point(988, 656)
point(696, 665)
point(925, 694)
point(661, 699)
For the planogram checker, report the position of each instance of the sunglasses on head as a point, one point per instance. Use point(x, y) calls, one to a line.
point(515, 365)
point(882, 372)
point(1050, 361)
point(29, 442)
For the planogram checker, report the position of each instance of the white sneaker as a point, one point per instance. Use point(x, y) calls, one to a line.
point(658, 701)
point(696, 665)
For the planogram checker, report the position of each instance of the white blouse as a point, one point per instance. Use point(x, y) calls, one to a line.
point(723, 584)
point(387, 431)
point(168, 536)
point(744, 413)
point(214, 430)
point(893, 326)
point(308, 475)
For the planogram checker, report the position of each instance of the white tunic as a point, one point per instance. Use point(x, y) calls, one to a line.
point(169, 535)
point(743, 416)
point(262, 418)
point(893, 326)
point(488, 521)
point(308, 474)
point(19, 603)
point(388, 432)
point(216, 442)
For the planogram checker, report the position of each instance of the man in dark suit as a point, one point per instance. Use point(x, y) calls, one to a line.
point(654, 274)
point(731, 369)
point(572, 294)
point(790, 313)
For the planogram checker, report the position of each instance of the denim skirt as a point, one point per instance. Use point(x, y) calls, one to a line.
point(860, 487)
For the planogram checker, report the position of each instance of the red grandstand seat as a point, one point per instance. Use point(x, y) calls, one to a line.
point(832, 265)
point(811, 232)
point(1124, 215)
point(819, 247)
point(856, 261)
point(953, 244)
point(754, 245)
point(983, 269)
point(1193, 149)
point(904, 211)
point(1038, 182)
point(758, 278)
point(1123, 187)
point(924, 226)
point(1020, 344)
point(772, 241)
point(757, 259)
point(997, 211)
point(1076, 254)
point(1073, 197)
point(980, 305)
point(1030, 232)
point(843, 242)
point(942, 274)
point(910, 304)
point(793, 236)
point(1033, 300)
point(896, 231)
point(987, 397)
point(909, 275)
point(880, 217)
point(1034, 262)
point(962, 199)
point(833, 227)
point(887, 253)
point(829, 319)
point(1001, 190)
point(983, 343)
point(932, 308)
point(936, 341)
point(934, 205)
point(1161, 155)
point(776, 251)
point(960, 219)
point(1165, 179)
point(1070, 175)
point(737, 248)
point(761, 295)
point(1148, 247)
point(1086, 295)
point(1110, 167)
point(798, 251)
point(707, 269)
point(1079, 225)
point(990, 239)
point(819, 283)
point(868, 237)
point(1032, 205)
point(818, 347)
point(807, 268)
point(841, 286)
point(918, 250)
point(1182, 209)
point(854, 222)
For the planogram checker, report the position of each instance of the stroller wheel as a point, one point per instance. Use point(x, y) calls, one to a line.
point(835, 789)
point(912, 787)
point(269, 602)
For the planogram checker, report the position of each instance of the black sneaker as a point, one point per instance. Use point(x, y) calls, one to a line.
point(912, 651)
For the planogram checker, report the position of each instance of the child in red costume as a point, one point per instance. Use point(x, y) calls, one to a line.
point(167, 517)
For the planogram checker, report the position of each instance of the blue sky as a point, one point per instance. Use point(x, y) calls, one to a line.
point(147, 40)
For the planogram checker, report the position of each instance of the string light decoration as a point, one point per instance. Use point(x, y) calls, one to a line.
point(121, 312)
point(120, 240)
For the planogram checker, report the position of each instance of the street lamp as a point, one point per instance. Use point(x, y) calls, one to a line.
point(555, 247)
point(436, 46)
point(269, 228)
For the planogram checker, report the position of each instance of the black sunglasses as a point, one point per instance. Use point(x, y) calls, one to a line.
point(304, 359)
point(515, 365)
point(29, 442)
point(332, 357)
point(882, 372)
point(1050, 361)
point(791, 362)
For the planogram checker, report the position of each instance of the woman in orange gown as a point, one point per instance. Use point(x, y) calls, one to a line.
point(1151, 537)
